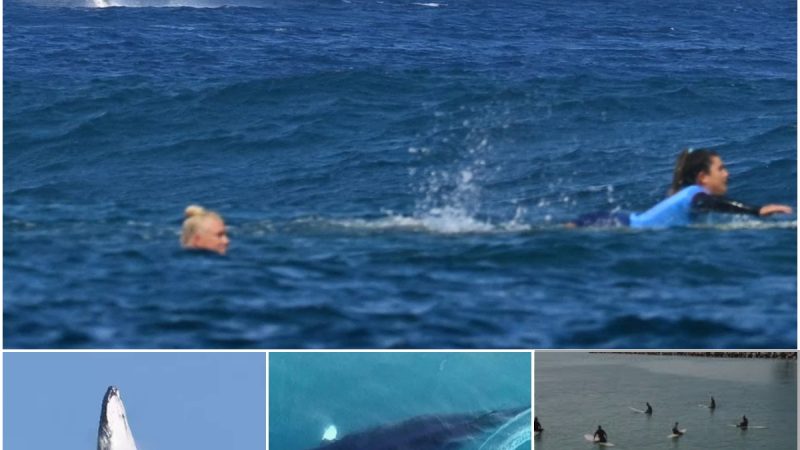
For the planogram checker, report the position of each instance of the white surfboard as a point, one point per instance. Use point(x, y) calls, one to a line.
point(590, 438)
point(749, 427)
point(673, 435)
point(636, 410)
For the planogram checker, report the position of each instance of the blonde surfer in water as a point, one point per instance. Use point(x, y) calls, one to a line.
point(204, 230)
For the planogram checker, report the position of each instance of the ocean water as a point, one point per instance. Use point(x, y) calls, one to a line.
point(355, 392)
point(576, 392)
point(393, 173)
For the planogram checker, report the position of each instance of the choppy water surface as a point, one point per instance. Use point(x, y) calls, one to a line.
point(576, 392)
point(393, 173)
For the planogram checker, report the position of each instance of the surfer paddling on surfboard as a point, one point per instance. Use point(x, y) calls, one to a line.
point(600, 435)
point(699, 183)
point(743, 423)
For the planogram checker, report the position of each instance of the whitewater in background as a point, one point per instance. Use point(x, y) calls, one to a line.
point(142, 3)
point(393, 174)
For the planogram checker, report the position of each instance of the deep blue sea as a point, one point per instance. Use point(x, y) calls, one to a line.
point(358, 393)
point(393, 173)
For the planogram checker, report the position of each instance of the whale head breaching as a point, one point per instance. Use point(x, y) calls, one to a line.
point(114, 432)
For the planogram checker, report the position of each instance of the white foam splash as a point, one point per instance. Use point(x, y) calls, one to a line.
point(513, 434)
point(330, 433)
point(452, 220)
point(750, 225)
point(439, 220)
point(160, 3)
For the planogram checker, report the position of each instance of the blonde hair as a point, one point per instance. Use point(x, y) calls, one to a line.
point(195, 215)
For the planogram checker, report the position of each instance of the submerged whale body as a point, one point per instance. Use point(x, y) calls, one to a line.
point(114, 432)
point(432, 432)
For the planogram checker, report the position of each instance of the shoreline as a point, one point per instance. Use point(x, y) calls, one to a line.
point(719, 354)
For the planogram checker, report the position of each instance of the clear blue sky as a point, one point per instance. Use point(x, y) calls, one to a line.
point(174, 401)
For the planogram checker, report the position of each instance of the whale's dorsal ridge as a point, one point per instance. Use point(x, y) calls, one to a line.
point(426, 432)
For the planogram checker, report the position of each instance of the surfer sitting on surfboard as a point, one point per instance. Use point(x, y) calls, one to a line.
point(699, 183)
point(536, 425)
point(600, 435)
point(743, 423)
point(713, 403)
point(649, 409)
point(675, 430)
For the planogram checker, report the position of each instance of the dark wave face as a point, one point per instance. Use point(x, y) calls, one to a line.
point(393, 174)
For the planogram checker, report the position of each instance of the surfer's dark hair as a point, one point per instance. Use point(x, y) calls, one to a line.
point(689, 165)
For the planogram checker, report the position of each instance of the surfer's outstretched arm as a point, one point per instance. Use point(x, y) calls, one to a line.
point(768, 210)
point(704, 202)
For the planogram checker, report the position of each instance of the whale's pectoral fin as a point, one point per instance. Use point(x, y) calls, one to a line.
point(330, 433)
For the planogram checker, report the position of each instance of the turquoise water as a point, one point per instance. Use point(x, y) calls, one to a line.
point(357, 391)
point(576, 392)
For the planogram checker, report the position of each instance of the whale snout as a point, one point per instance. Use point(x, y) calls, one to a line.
point(112, 391)
point(114, 432)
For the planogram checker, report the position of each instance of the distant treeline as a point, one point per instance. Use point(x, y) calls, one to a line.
point(772, 355)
